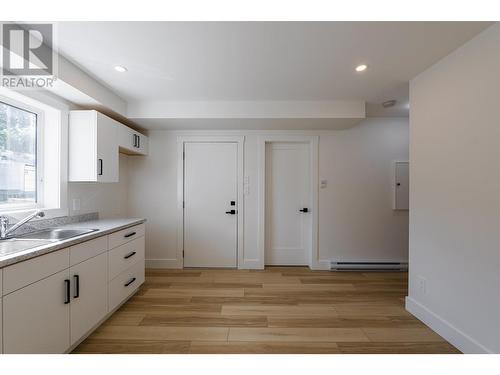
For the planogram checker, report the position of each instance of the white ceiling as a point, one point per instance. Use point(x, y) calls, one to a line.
point(212, 61)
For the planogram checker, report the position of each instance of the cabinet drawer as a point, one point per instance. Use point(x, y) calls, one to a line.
point(119, 238)
point(21, 274)
point(87, 250)
point(124, 256)
point(125, 284)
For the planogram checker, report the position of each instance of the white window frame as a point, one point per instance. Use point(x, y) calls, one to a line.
point(53, 200)
point(39, 147)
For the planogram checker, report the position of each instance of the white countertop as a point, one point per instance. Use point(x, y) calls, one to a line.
point(104, 227)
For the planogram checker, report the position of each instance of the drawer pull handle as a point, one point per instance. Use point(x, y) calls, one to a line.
point(77, 286)
point(130, 234)
point(68, 295)
point(129, 255)
point(130, 281)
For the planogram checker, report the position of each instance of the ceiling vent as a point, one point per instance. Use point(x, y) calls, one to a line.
point(389, 103)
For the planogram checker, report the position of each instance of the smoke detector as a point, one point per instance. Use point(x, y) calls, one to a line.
point(389, 103)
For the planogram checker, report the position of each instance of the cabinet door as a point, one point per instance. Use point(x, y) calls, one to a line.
point(133, 142)
point(142, 144)
point(107, 149)
point(89, 296)
point(36, 317)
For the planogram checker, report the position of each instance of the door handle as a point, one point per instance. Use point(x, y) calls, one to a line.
point(100, 167)
point(305, 209)
point(232, 212)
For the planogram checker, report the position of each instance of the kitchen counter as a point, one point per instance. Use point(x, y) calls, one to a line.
point(104, 227)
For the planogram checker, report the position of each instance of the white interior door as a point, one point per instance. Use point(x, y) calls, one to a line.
point(402, 173)
point(210, 204)
point(288, 228)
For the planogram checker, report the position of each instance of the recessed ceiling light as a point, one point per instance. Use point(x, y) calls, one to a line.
point(361, 68)
point(120, 69)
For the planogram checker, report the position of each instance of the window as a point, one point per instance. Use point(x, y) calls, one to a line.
point(33, 154)
point(18, 157)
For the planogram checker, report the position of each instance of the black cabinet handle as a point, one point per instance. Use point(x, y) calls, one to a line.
point(232, 212)
point(305, 209)
point(77, 286)
point(130, 234)
point(137, 141)
point(130, 281)
point(129, 255)
point(100, 167)
point(68, 293)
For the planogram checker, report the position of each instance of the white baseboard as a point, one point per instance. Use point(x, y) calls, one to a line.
point(321, 265)
point(251, 264)
point(450, 333)
point(163, 263)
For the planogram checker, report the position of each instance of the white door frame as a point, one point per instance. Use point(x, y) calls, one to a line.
point(181, 141)
point(313, 141)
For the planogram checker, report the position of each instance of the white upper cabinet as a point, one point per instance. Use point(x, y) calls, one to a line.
point(93, 147)
point(132, 142)
point(94, 143)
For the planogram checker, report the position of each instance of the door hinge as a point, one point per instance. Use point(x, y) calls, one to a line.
point(183, 155)
point(183, 253)
point(183, 204)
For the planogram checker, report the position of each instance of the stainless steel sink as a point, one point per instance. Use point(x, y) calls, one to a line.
point(55, 234)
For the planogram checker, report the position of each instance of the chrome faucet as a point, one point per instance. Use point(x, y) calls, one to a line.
point(4, 223)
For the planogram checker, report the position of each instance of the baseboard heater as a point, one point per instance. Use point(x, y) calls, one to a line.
point(375, 266)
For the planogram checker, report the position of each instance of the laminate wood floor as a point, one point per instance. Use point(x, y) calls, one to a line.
point(277, 310)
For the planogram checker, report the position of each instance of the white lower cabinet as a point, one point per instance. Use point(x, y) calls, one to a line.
point(1, 319)
point(50, 303)
point(89, 295)
point(126, 283)
point(1, 331)
point(36, 317)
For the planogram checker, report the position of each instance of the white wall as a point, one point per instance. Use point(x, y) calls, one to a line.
point(356, 218)
point(455, 195)
point(109, 199)
point(356, 221)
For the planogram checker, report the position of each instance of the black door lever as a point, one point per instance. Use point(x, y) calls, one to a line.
point(305, 209)
point(232, 212)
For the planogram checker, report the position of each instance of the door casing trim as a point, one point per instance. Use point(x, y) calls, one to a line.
point(313, 141)
point(181, 141)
